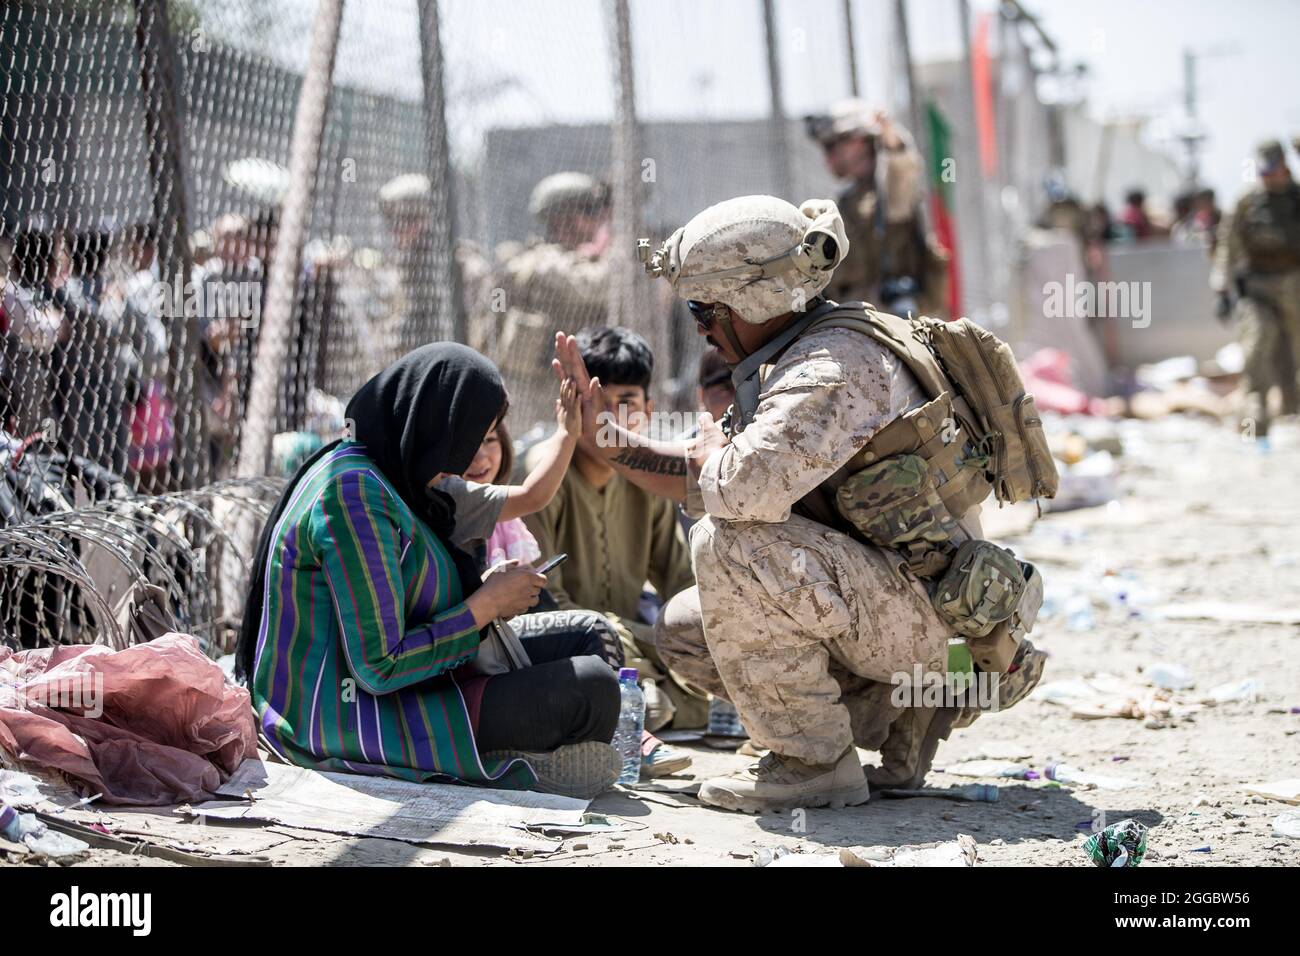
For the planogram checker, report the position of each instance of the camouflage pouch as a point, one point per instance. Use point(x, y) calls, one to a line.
point(894, 504)
point(981, 589)
point(997, 650)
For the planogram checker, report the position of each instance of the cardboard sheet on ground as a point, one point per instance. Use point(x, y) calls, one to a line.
point(393, 809)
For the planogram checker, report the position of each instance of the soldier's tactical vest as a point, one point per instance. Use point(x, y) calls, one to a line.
point(977, 434)
point(1270, 229)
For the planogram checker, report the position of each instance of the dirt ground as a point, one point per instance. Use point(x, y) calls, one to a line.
point(1202, 516)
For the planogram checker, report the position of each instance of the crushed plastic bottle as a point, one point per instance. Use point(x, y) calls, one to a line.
point(1120, 844)
point(1064, 773)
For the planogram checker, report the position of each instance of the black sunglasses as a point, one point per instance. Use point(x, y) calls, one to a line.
point(702, 312)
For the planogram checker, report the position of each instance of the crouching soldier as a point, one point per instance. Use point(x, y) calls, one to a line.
point(840, 495)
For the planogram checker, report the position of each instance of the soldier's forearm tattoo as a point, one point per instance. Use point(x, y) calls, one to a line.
point(644, 459)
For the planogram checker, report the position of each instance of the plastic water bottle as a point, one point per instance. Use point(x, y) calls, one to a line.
point(9, 823)
point(631, 721)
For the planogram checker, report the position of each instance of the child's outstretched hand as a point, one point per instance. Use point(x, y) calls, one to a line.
point(568, 409)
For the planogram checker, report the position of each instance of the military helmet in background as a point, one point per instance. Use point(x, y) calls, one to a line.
point(567, 192)
point(758, 255)
point(848, 117)
point(405, 195)
point(1269, 155)
point(261, 181)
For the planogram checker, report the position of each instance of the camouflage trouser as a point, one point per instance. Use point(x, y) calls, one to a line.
point(806, 629)
point(1268, 322)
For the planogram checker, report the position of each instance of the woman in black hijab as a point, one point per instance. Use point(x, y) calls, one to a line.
point(362, 616)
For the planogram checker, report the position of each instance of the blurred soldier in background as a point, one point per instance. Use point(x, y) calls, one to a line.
point(408, 319)
point(559, 281)
point(405, 203)
point(893, 261)
point(1258, 258)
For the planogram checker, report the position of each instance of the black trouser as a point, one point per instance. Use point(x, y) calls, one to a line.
point(569, 695)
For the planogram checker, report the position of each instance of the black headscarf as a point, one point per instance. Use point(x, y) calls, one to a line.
point(425, 414)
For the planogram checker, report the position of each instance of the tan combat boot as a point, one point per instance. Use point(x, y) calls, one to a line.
point(909, 749)
point(784, 783)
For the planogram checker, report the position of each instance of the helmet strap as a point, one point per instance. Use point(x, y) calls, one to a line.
point(730, 333)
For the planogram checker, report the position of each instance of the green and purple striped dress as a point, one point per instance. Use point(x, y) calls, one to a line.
point(362, 629)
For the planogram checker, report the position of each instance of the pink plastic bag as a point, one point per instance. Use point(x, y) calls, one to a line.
point(152, 724)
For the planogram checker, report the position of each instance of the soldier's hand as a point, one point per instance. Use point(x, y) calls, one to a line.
point(889, 137)
point(568, 363)
point(708, 438)
point(1223, 307)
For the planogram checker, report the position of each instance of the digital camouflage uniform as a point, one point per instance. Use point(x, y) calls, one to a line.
point(790, 609)
point(545, 288)
point(805, 629)
point(1260, 243)
point(549, 285)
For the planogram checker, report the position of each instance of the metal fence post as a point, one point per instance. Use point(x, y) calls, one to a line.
point(160, 87)
point(442, 269)
point(626, 292)
point(780, 130)
point(286, 260)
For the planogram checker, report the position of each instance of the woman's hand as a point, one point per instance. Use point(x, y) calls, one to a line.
point(507, 590)
point(568, 409)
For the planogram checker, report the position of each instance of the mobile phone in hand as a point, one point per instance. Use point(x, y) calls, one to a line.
point(551, 563)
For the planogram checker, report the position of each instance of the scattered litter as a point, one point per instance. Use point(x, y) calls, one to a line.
point(1247, 690)
point(1201, 849)
point(1064, 773)
point(1287, 791)
point(1086, 484)
point(19, 789)
point(27, 829)
point(990, 768)
point(1101, 696)
point(766, 856)
point(1120, 844)
point(1288, 825)
point(1169, 676)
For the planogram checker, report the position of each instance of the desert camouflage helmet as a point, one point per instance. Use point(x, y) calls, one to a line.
point(758, 255)
point(407, 194)
point(848, 117)
point(567, 191)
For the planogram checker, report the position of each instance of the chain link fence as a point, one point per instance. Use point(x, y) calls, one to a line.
point(197, 274)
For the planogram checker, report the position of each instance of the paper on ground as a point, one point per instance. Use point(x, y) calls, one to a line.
point(1288, 791)
point(392, 809)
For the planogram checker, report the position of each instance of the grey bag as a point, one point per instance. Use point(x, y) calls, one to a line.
point(500, 651)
